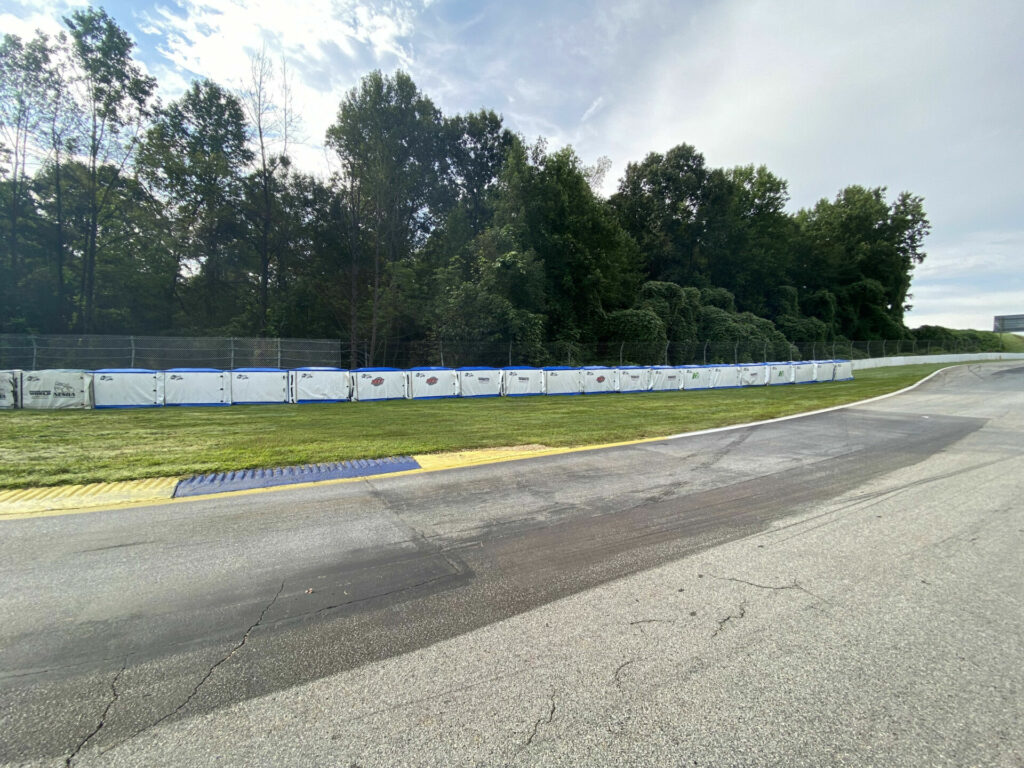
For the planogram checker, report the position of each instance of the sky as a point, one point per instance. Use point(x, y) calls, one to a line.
point(917, 96)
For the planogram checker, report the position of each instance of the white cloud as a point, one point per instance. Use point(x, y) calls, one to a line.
point(592, 109)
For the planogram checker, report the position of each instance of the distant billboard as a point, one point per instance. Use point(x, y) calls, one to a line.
point(1008, 324)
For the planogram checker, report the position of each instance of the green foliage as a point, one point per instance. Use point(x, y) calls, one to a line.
point(641, 329)
point(436, 228)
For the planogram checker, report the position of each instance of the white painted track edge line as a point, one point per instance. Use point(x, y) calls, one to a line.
point(855, 404)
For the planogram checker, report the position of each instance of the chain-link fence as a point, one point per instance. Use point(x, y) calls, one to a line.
point(162, 352)
point(31, 352)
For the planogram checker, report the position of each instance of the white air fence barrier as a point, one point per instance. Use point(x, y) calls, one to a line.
point(10, 384)
point(753, 375)
point(479, 382)
point(320, 385)
point(780, 373)
point(844, 370)
point(803, 373)
point(698, 376)
point(197, 386)
point(259, 386)
point(56, 389)
point(379, 384)
point(727, 376)
point(666, 378)
point(522, 380)
point(634, 378)
point(598, 379)
point(824, 370)
point(128, 388)
point(432, 383)
point(562, 380)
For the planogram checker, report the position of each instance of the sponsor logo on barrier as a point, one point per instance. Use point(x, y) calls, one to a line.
point(306, 376)
point(432, 381)
point(483, 378)
point(241, 377)
point(62, 389)
point(104, 377)
point(177, 377)
point(600, 379)
point(31, 378)
point(378, 381)
point(523, 378)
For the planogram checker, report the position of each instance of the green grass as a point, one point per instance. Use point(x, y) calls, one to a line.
point(1012, 342)
point(40, 448)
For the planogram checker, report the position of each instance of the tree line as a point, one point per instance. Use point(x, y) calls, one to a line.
point(123, 214)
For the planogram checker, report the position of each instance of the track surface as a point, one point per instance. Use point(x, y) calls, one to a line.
point(843, 588)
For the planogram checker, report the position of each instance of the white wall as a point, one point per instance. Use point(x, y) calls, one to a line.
point(885, 362)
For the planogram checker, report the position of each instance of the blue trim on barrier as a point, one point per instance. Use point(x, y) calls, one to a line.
point(247, 479)
point(525, 394)
point(110, 407)
point(470, 397)
point(339, 400)
point(259, 402)
point(196, 405)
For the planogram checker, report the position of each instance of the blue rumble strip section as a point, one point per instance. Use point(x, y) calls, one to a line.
point(246, 479)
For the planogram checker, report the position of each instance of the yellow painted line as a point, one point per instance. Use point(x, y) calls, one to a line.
point(30, 502)
point(433, 462)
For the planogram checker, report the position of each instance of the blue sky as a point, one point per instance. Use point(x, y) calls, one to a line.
point(923, 96)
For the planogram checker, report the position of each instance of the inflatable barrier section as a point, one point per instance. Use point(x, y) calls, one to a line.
point(479, 382)
point(128, 388)
point(521, 381)
point(319, 385)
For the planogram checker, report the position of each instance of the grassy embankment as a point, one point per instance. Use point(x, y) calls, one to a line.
point(39, 448)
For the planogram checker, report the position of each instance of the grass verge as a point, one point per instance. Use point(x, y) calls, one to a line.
point(43, 448)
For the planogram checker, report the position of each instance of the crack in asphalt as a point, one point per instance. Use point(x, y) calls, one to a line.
point(617, 675)
point(730, 617)
point(379, 595)
point(209, 672)
point(775, 588)
point(103, 716)
point(652, 621)
point(541, 721)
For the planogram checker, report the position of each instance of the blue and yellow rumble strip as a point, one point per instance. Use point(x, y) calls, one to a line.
point(247, 479)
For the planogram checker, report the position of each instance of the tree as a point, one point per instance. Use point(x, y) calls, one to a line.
point(23, 69)
point(194, 154)
point(114, 96)
point(862, 250)
point(273, 122)
point(387, 135)
point(659, 204)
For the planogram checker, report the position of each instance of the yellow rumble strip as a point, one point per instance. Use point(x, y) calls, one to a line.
point(31, 502)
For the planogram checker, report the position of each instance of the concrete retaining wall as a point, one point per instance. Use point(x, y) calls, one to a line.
point(885, 362)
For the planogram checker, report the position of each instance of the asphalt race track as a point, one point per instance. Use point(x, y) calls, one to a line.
point(841, 589)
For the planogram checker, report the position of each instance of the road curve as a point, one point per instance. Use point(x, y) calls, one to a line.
point(842, 588)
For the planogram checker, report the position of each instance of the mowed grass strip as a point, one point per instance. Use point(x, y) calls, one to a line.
point(43, 448)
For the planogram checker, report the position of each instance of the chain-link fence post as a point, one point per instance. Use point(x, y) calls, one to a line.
point(35, 354)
